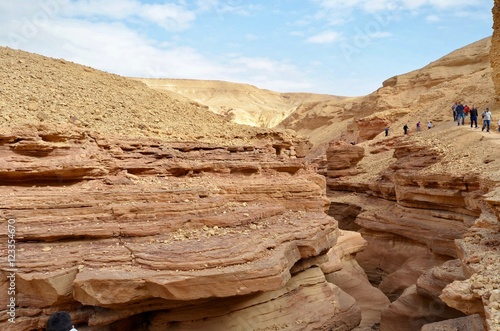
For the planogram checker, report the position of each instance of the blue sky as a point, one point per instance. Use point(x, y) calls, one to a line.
point(339, 47)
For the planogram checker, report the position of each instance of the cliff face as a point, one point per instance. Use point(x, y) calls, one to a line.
point(140, 233)
point(495, 46)
point(427, 205)
point(421, 95)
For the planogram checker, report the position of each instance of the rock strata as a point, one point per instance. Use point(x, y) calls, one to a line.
point(431, 224)
point(116, 230)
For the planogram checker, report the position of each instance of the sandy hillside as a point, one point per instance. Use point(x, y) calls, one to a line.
point(422, 95)
point(38, 90)
point(239, 103)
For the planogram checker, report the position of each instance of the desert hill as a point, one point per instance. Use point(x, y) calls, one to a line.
point(239, 103)
point(38, 90)
point(424, 95)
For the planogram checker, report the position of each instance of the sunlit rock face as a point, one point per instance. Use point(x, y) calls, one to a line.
point(431, 225)
point(495, 46)
point(129, 230)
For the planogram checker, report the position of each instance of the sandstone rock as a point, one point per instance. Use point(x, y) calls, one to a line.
point(393, 263)
point(469, 323)
point(306, 302)
point(478, 294)
point(371, 126)
point(239, 103)
point(495, 46)
point(412, 311)
point(342, 159)
point(353, 280)
point(128, 226)
point(433, 281)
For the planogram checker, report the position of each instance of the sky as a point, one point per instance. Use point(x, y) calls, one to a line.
point(337, 47)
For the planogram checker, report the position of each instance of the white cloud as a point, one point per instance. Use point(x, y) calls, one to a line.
point(169, 16)
point(267, 73)
point(377, 5)
point(251, 37)
point(225, 7)
point(381, 34)
point(207, 5)
point(432, 18)
point(260, 63)
point(325, 37)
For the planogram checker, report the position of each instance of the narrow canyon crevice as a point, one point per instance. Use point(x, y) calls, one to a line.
point(415, 224)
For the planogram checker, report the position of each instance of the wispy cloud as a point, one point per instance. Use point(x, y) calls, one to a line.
point(227, 40)
point(377, 5)
point(432, 18)
point(225, 7)
point(378, 35)
point(169, 16)
point(325, 37)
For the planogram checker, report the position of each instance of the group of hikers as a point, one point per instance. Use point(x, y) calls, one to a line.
point(461, 111)
point(406, 128)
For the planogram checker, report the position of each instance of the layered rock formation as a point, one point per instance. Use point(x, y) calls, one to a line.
point(495, 46)
point(421, 201)
point(137, 209)
point(133, 210)
point(146, 234)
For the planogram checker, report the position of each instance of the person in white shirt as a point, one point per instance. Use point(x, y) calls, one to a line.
point(486, 120)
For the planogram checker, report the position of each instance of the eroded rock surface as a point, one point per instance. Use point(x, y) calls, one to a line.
point(472, 323)
point(117, 230)
point(430, 222)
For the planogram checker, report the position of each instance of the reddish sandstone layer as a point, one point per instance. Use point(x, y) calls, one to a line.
point(421, 202)
point(121, 230)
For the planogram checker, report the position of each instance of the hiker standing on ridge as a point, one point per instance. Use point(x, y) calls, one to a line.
point(460, 113)
point(473, 116)
point(486, 120)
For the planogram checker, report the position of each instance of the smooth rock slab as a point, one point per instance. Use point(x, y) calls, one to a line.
point(306, 302)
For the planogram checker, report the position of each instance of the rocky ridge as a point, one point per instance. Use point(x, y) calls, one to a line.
point(144, 234)
point(428, 209)
point(238, 103)
point(422, 95)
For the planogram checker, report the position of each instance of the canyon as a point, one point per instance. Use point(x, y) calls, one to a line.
point(145, 204)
